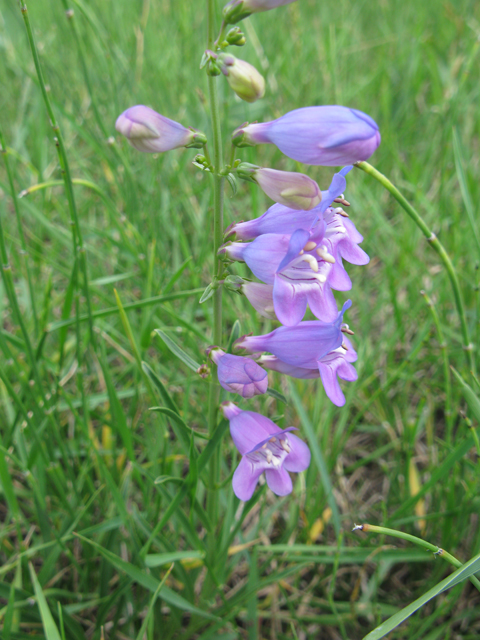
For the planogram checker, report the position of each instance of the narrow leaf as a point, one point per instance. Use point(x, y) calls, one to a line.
point(177, 351)
point(471, 397)
point(467, 570)
point(146, 580)
point(49, 626)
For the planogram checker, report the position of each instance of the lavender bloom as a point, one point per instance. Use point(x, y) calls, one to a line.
point(150, 132)
point(237, 10)
point(303, 345)
point(242, 77)
point(264, 448)
point(239, 374)
point(294, 190)
point(283, 219)
point(326, 135)
point(260, 297)
point(333, 364)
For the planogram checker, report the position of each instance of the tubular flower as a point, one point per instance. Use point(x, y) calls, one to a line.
point(242, 77)
point(237, 10)
point(239, 374)
point(325, 135)
point(303, 345)
point(335, 363)
point(283, 219)
point(260, 297)
point(303, 267)
point(264, 448)
point(294, 190)
point(148, 131)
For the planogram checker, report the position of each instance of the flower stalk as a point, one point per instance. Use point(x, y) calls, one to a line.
point(437, 246)
point(218, 197)
point(437, 551)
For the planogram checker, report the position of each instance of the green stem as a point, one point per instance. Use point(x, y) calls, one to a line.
point(437, 551)
point(437, 246)
point(77, 240)
point(23, 244)
point(218, 194)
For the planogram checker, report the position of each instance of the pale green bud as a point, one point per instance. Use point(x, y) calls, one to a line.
point(242, 77)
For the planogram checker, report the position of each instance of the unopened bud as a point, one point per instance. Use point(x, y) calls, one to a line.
point(235, 37)
point(237, 10)
point(294, 190)
point(150, 132)
point(242, 77)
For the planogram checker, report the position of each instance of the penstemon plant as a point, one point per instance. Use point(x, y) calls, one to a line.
point(296, 250)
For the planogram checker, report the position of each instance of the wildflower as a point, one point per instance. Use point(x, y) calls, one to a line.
point(242, 77)
point(325, 135)
point(239, 374)
point(294, 190)
point(264, 448)
point(280, 218)
point(335, 363)
point(260, 297)
point(303, 345)
point(237, 10)
point(148, 131)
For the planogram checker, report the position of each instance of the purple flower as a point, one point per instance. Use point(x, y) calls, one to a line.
point(264, 448)
point(242, 77)
point(239, 374)
point(303, 345)
point(260, 297)
point(294, 190)
point(283, 219)
point(335, 363)
point(148, 131)
point(237, 10)
point(326, 135)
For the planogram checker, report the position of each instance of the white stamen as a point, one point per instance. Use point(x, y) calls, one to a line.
point(310, 245)
point(269, 456)
point(324, 255)
point(264, 446)
point(285, 445)
point(320, 277)
point(311, 261)
point(273, 439)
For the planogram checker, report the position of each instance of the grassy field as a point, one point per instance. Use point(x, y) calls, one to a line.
point(90, 479)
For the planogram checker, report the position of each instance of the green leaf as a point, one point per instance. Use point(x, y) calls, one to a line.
point(207, 294)
point(232, 182)
point(180, 421)
point(146, 580)
point(49, 626)
point(161, 388)
point(467, 570)
point(143, 628)
point(277, 395)
point(471, 397)
point(178, 351)
point(234, 335)
point(158, 559)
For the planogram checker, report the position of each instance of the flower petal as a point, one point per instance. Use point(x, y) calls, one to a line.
point(279, 481)
point(299, 457)
point(245, 479)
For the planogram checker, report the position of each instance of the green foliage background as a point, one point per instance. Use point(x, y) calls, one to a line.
point(80, 452)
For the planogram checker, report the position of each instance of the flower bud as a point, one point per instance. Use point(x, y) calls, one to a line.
point(148, 131)
point(235, 37)
point(242, 77)
point(327, 135)
point(239, 374)
point(260, 297)
point(294, 190)
point(237, 10)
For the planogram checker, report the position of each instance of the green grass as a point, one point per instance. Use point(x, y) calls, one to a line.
point(91, 497)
